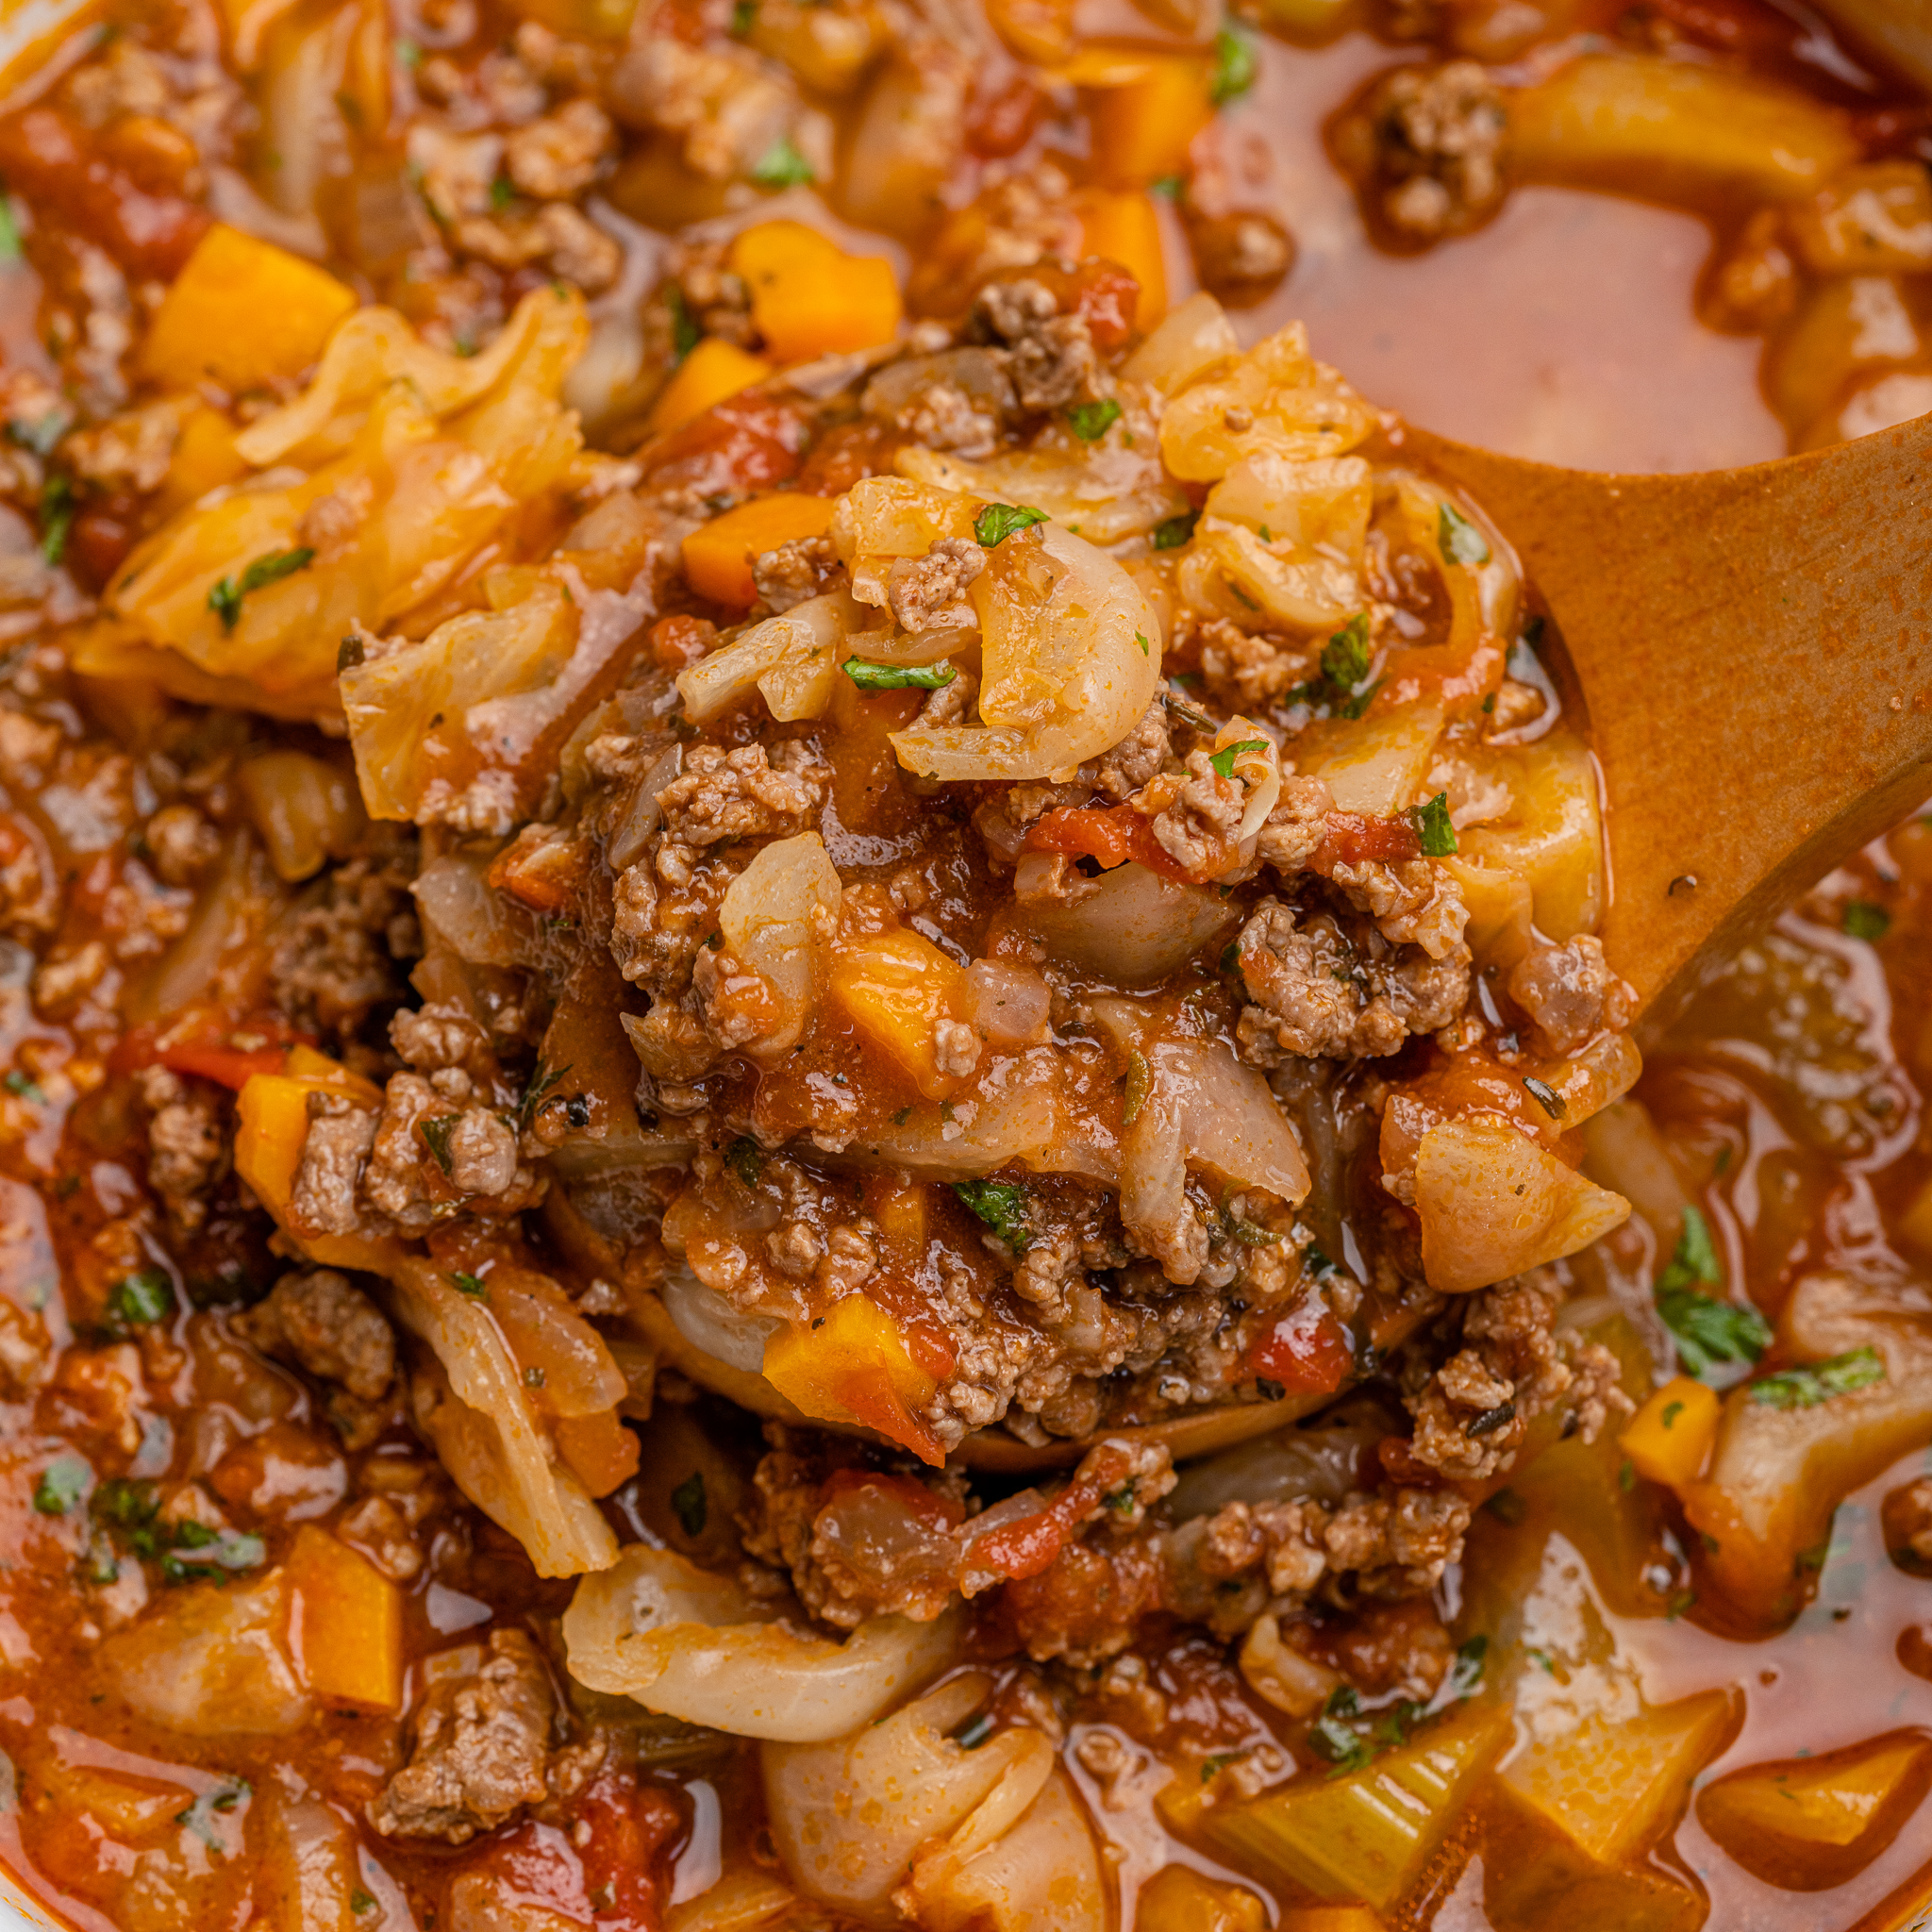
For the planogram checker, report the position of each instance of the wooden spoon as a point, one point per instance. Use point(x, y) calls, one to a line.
point(1753, 648)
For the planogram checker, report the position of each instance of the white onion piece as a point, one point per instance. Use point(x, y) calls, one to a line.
point(1190, 340)
point(712, 1325)
point(1325, 1463)
point(1493, 1203)
point(690, 1644)
point(643, 815)
point(497, 1456)
point(1107, 492)
point(849, 1816)
point(772, 916)
point(1040, 1873)
point(1070, 660)
point(802, 642)
point(459, 907)
point(1133, 925)
point(1204, 1110)
point(1006, 1003)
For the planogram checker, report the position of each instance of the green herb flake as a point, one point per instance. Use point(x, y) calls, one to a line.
point(1816, 1382)
point(1089, 422)
point(503, 190)
point(1357, 705)
point(199, 1818)
point(360, 1903)
point(1708, 1331)
point(142, 1297)
point(1466, 1673)
point(541, 1081)
point(1174, 531)
point(1547, 1098)
point(436, 1132)
point(685, 332)
point(55, 517)
point(213, 1555)
point(745, 1159)
point(1140, 1084)
point(999, 520)
point(691, 1502)
point(1215, 1764)
point(1694, 1258)
point(1120, 1500)
point(225, 599)
point(1141, 638)
point(783, 166)
point(1001, 1205)
point(1236, 67)
point(745, 16)
point(1626, 1475)
point(10, 250)
point(1505, 1506)
point(1458, 540)
point(1224, 759)
point(1433, 827)
point(23, 1086)
point(62, 1484)
point(1345, 656)
point(1168, 187)
point(1861, 919)
point(408, 52)
point(870, 676)
point(471, 1285)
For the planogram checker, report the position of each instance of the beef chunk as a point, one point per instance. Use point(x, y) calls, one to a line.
point(324, 1323)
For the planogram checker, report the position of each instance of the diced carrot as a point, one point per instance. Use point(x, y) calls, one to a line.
point(272, 1123)
point(718, 556)
point(1123, 228)
point(1670, 1438)
point(1143, 126)
point(714, 370)
point(598, 1447)
point(346, 1623)
point(851, 1365)
point(243, 313)
point(808, 297)
point(896, 988)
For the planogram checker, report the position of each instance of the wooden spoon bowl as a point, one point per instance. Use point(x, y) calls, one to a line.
point(1751, 650)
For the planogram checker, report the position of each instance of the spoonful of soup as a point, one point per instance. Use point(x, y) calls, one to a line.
point(1754, 653)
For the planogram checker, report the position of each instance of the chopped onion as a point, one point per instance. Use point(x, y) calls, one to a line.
point(1132, 925)
point(712, 1325)
point(772, 918)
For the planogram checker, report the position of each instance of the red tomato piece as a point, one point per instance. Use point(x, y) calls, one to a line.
point(1306, 1352)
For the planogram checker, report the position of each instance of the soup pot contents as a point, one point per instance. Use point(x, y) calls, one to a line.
point(810, 1118)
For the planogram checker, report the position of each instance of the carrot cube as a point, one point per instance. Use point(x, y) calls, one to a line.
point(714, 370)
point(243, 313)
point(346, 1623)
point(808, 297)
point(1123, 228)
point(718, 556)
point(1669, 1439)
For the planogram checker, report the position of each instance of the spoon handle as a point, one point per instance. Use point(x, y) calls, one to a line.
point(1753, 648)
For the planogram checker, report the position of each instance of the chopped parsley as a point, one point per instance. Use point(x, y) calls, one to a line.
point(1433, 827)
point(1174, 531)
point(870, 676)
point(436, 1131)
point(1861, 919)
point(1236, 67)
point(9, 232)
point(1224, 760)
point(1345, 656)
point(141, 1297)
point(224, 600)
point(471, 1285)
point(1816, 1382)
point(199, 1817)
point(55, 517)
point(1002, 1204)
point(1707, 1330)
point(541, 1081)
point(360, 1903)
point(745, 1159)
point(998, 520)
point(783, 166)
point(1141, 638)
point(23, 1086)
point(503, 190)
point(62, 1484)
point(202, 1555)
point(1458, 540)
point(1089, 422)
point(685, 332)
point(693, 1506)
point(1466, 1673)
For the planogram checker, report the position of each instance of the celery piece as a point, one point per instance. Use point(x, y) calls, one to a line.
point(1612, 1787)
point(1365, 1836)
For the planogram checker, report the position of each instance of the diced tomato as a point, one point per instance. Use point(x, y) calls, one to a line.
point(872, 1397)
point(746, 444)
point(208, 1045)
point(1351, 838)
point(630, 1825)
point(45, 157)
point(931, 1508)
point(1113, 836)
point(1304, 1353)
